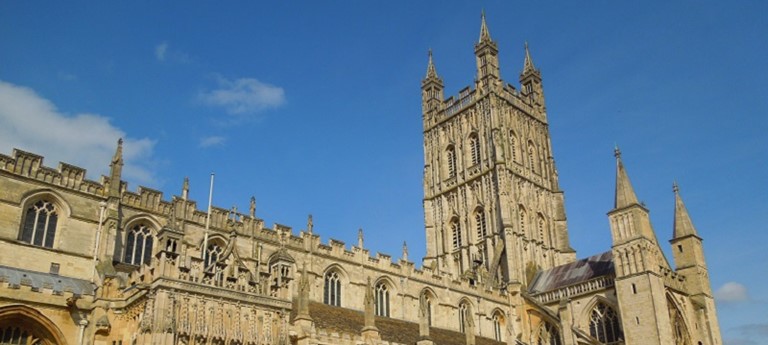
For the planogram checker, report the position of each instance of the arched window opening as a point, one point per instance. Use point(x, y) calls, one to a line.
point(513, 145)
point(428, 306)
point(464, 315)
point(15, 335)
point(679, 329)
point(332, 290)
point(548, 335)
point(523, 216)
point(480, 224)
point(541, 225)
point(213, 254)
point(474, 146)
point(382, 299)
point(450, 154)
point(604, 325)
point(498, 325)
point(456, 231)
point(138, 245)
point(40, 224)
point(532, 157)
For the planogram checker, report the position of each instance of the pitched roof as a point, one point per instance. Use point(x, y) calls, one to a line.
point(572, 273)
point(351, 321)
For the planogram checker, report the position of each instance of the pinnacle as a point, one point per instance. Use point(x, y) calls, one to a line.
point(485, 35)
point(625, 194)
point(431, 70)
point(683, 225)
point(528, 66)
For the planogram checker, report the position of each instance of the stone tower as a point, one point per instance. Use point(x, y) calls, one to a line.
point(640, 267)
point(493, 209)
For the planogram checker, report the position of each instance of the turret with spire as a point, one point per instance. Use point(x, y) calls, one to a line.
point(487, 54)
point(431, 93)
point(116, 170)
point(530, 81)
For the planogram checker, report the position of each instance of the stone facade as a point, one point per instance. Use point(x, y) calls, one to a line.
point(90, 262)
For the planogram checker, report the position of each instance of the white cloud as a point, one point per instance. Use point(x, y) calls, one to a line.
point(732, 292)
point(212, 141)
point(32, 123)
point(161, 50)
point(244, 96)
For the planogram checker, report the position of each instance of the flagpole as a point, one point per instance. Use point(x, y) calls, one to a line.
point(207, 221)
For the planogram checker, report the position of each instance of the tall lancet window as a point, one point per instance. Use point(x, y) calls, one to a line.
point(40, 224)
point(456, 232)
point(541, 226)
point(513, 145)
point(138, 245)
point(332, 289)
point(523, 216)
point(382, 299)
point(474, 147)
point(480, 223)
point(498, 325)
point(604, 325)
point(450, 155)
point(464, 315)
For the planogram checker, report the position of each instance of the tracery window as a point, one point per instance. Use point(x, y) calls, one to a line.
point(15, 335)
point(604, 325)
point(474, 147)
point(532, 157)
point(498, 321)
point(332, 290)
point(548, 335)
point(480, 223)
point(213, 254)
point(456, 231)
point(138, 245)
point(40, 224)
point(451, 158)
point(382, 299)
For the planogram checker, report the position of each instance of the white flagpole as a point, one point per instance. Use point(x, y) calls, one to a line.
point(207, 221)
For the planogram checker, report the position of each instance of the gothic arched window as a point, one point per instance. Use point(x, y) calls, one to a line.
point(541, 225)
point(604, 325)
point(548, 335)
point(513, 145)
point(213, 254)
point(450, 155)
point(428, 300)
point(522, 217)
point(456, 231)
point(532, 157)
point(498, 325)
point(138, 245)
point(480, 223)
point(382, 299)
point(15, 335)
point(332, 290)
point(40, 224)
point(474, 147)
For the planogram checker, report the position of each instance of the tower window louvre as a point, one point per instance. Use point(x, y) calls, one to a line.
point(480, 223)
point(451, 158)
point(474, 143)
point(456, 231)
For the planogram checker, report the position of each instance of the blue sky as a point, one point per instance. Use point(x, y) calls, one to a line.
point(314, 107)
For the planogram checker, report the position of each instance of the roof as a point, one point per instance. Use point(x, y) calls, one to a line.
point(351, 321)
point(38, 280)
point(573, 273)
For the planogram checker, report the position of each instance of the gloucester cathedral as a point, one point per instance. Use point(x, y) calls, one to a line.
point(93, 263)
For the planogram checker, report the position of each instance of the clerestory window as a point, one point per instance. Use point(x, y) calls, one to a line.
point(332, 290)
point(382, 299)
point(604, 325)
point(138, 245)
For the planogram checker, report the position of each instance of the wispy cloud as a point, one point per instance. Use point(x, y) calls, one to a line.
point(32, 123)
point(243, 96)
point(732, 292)
point(212, 141)
point(66, 76)
point(161, 50)
point(748, 334)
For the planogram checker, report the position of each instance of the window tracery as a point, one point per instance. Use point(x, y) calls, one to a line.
point(40, 224)
point(451, 158)
point(382, 299)
point(138, 245)
point(480, 223)
point(548, 335)
point(332, 289)
point(15, 335)
point(474, 145)
point(456, 231)
point(604, 325)
point(498, 321)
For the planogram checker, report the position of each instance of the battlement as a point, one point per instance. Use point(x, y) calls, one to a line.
point(30, 165)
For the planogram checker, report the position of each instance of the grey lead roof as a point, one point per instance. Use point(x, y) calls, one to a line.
point(37, 280)
point(572, 273)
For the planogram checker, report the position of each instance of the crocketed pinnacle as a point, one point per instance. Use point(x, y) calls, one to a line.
point(431, 71)
point(485, 36)
point(625, 194)
point(683, 225)
point(118, 157)
point(528, 66)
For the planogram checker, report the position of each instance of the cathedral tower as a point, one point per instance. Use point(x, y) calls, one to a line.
point(493, 209)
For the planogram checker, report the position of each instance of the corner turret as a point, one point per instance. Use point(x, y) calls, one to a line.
point(530, 81)
point(487, 53)
point(431, 93)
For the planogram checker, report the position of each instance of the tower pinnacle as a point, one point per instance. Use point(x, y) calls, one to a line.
point(625, 194)
point(485, 35)
point(683, 225)
point(528, 66)
point(431, 71)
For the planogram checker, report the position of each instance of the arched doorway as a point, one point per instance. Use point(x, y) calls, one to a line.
point(22, 325)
